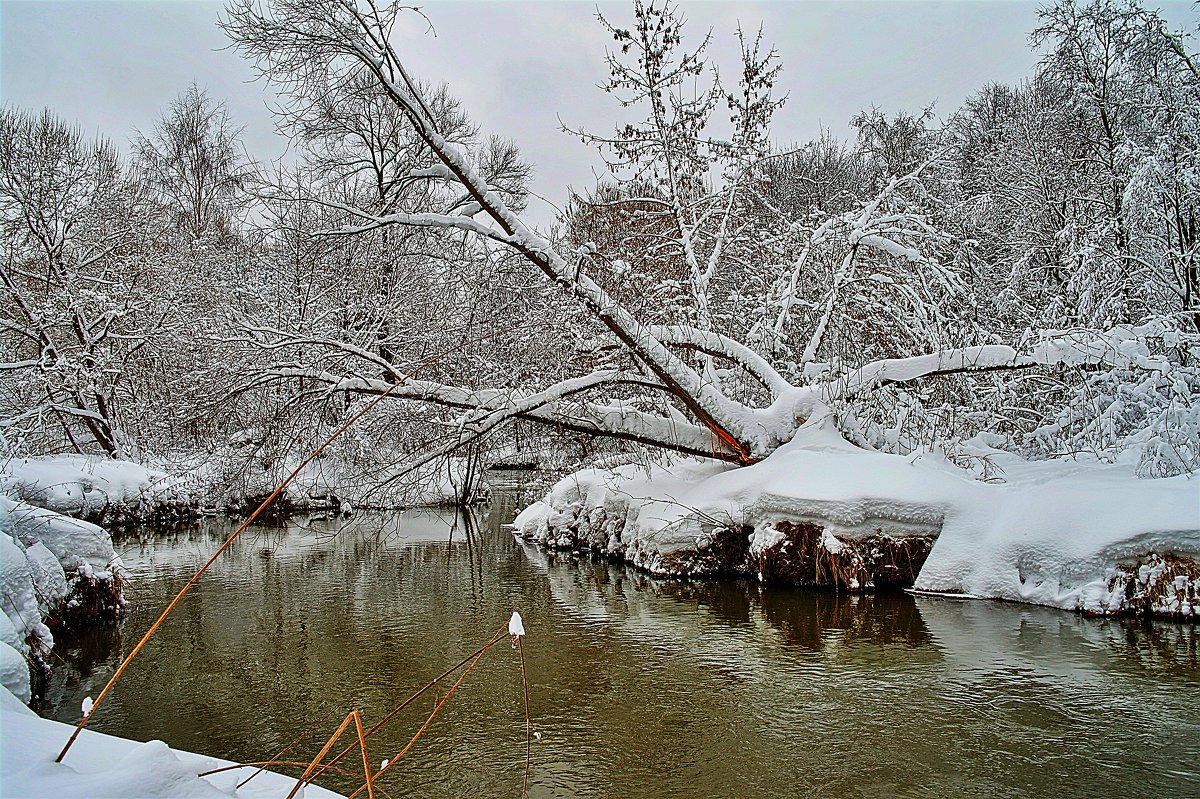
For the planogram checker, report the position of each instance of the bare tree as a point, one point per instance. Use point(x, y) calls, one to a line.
point(193, 161)
point(75, 307)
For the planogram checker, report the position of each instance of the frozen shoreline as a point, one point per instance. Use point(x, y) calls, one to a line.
point(105, 490)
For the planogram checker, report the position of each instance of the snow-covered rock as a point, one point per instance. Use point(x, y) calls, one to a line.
point(51, 567)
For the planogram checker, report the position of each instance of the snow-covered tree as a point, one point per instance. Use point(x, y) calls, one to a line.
point(852, 302)
point(682, 188)
point(74, 283)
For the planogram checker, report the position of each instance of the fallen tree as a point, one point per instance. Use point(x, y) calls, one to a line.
point(682, 386)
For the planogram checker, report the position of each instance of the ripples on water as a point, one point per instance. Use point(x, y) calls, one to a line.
point(639, 687)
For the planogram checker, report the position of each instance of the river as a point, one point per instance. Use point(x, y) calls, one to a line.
point(638, 687)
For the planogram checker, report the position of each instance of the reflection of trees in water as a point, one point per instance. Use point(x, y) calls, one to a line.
point(731, 601)
point(1168, 648)
point(806, 618)
point(511, 491)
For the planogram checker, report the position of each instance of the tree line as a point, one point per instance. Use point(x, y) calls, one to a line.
point(1025, 267)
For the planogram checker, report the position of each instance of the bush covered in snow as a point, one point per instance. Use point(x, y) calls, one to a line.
point(99, 488)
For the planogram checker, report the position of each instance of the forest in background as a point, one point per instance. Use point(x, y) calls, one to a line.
point(1025, 266)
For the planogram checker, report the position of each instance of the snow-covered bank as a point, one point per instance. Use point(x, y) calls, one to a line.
point(106, 490)
point(54, 569)
point(95, 487)
point(1071, 534)
point(101, 766)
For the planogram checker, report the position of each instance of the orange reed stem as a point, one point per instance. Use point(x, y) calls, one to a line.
point(432, 715)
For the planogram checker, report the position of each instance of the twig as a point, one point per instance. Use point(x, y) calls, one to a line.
point(499, 635)
point(351, 716)
point(285, 749)
point(437, 709)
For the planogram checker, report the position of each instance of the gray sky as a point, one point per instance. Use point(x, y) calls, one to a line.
point(520, 66)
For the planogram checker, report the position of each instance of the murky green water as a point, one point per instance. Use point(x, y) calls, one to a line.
point(638, 687)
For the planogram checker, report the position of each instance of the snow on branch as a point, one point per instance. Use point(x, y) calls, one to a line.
point(488, 409)
point(1122, 346)
point(302, 45)
point(900, 370)
point(716, 344)
point(427, 219)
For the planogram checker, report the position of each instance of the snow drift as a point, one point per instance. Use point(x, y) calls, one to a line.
point(1075, 534)
point(104, 766)
point(96, 487)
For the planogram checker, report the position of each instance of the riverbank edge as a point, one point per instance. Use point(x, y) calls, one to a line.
point(57, 574)
point(818, 560)
point(101, 765)
point(1075, 534)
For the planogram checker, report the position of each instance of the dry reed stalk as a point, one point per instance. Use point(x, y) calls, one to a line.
point(528, 719)
point(478, 652)
point(262, 765)
point(324, 750)
point(196, 577)
point(437, 709)
point(357, 719)
point(265, 764)
point(282, 751)
point(257, 511)
point(362, 744)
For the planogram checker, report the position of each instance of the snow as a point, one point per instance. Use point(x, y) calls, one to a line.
point(89, 485)
point(338, 476)
point(42, 553)
point(1053, 532)
point(14, 672)
point(100, 766)
point(75, 543)
point(102, 488)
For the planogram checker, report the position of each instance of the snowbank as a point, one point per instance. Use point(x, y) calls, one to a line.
point(51, 567)
point(234, 478)
point(100, 766)
point(1071, 534)
point(96, 487)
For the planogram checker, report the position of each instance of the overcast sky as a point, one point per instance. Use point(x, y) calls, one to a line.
point(521, 66)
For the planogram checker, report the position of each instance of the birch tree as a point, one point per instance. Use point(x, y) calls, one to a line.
point(194, 164)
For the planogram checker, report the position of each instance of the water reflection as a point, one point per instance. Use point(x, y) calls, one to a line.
point(641, 687)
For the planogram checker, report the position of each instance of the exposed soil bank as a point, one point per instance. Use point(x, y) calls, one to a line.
point(791, 553)
point(810, 556)
point(806, 554)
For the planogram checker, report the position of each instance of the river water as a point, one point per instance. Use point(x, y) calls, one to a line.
point(638, 687)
